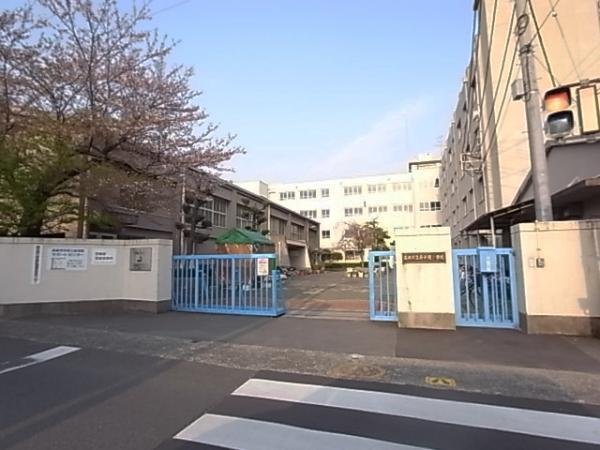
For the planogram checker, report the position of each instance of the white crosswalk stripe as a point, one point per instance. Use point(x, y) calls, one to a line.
point(539, 423)
point(249, 434)
point(294, 414)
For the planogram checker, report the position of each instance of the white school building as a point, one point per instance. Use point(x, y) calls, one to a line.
point(397, 201)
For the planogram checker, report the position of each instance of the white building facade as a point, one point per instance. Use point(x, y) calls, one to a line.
point(397, 201)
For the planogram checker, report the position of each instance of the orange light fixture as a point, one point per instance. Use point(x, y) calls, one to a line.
point(557, 99)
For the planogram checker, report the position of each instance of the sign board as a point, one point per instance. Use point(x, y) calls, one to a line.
point(487, 260)
point(67, 258)
point(424, 258)
point(262, 267)
point(140, 259)
point(104, 256)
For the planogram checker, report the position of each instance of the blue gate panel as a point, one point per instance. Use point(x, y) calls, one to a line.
point(227, 284)
point(484, 288)
point(382, 286)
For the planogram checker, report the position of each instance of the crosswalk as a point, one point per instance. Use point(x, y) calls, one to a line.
point(289, 412)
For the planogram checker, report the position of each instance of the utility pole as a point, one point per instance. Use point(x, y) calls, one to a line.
point(535, 131)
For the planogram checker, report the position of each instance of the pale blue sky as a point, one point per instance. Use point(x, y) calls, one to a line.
point(323, 88)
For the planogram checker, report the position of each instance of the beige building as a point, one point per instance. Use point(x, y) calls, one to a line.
point(485, 179)
point(397, 201)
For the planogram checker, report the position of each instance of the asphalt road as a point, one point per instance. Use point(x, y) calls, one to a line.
point(66, 397)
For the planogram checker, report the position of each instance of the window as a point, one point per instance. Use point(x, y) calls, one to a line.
point(351, 212)
point(402, 186)
point(291, 195)
point(311, 214)
point(243, 217)
point(215, 210)
point(325, 234)
point(310, 193)
point(374, 188)
point(397, 208)
point(325, 213)
point(372, 209)
point(352, 255)
point(408, 208)
point(278, 226)
point(352, 190)
point(436, 183)
point(430, 206)
point(399, 229)
point(382, 209)
point(297, 232)
point(325, 192)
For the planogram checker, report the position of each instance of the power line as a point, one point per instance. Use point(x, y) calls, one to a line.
point(489, 46)
point(538, 33)
point(168, 8)
point(564, 39)
point(497, 88)
point(504, 97)
point(550, 13)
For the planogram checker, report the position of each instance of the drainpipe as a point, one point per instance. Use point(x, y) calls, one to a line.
point(493, 228)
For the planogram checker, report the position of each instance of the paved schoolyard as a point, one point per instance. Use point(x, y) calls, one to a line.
point(327, 295)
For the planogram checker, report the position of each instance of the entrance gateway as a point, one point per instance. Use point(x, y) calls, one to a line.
point(382, 286)
point(485, 288)
point(246, 284)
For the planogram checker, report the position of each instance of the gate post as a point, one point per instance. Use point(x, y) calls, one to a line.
point(424, 278)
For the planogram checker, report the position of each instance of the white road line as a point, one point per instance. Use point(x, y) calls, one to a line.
point(250, 434)
point(41, 357)
point(527, 421)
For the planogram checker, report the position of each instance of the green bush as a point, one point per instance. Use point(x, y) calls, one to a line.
point(344, 265)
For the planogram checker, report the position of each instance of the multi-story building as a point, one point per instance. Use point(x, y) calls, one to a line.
point(486, 171)
point(227, 206)
point(396, 201)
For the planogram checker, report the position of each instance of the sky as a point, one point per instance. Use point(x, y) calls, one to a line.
point(318, 89)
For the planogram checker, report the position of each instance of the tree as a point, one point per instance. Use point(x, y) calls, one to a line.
point(377, 236)
point(360, 237)
point(86, 84)
point(255, 214)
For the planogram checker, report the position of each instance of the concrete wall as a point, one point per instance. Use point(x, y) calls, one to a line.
point(558, 275)
point(425, 290)
point(85, 283)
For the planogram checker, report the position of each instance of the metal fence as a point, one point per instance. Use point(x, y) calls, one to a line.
point(227, 284)
point(485, 288)
point(382, 285)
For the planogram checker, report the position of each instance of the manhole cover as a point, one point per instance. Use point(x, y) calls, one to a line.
point(354, 370)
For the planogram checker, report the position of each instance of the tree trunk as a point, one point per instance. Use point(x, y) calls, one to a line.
point(31, 223)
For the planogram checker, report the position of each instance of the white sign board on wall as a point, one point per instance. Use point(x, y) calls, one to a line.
point(104, 256)
point(262, 267)
point(67, 258)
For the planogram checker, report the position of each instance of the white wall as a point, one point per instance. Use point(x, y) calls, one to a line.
point(568, 284)
point(94, 282)
point(425, 290)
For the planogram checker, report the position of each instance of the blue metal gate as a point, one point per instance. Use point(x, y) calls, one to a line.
point(382, 285)
point(485, 288)
point(227, 284)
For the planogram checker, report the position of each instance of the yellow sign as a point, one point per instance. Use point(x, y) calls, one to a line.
point(441, 381)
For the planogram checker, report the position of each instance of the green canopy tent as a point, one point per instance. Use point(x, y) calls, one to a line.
point(238, 240)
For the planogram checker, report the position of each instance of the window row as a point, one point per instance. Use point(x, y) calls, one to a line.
point(312, 213)
point(430, 206)
point(403, 208)
point(303, 195)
